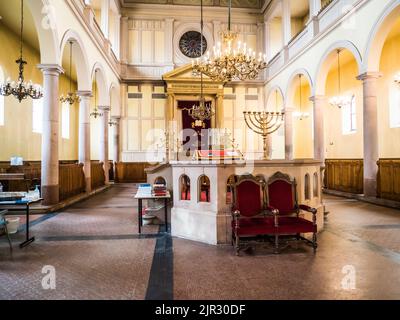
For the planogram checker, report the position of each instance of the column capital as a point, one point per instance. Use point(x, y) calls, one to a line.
point(82, 93)
point(116, 118)
point(369, 75)
point(169, 20)
point(54, 69)
point(104, 108)
point(124, 18)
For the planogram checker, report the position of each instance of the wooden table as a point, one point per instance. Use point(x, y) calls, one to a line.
point(141, 197)
point(22, 205)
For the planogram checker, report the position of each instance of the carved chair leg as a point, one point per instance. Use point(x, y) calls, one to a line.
point(276, 251)
point(237, 247)
point(315, 244)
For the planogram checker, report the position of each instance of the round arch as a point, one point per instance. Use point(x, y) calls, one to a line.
point(378, 36)
point(290, 91)
point(80, 59)
point(274, 89)
point(46, 28)
point(327, 61)
point(101, 80)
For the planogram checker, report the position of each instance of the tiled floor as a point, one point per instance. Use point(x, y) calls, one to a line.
point(97, 254)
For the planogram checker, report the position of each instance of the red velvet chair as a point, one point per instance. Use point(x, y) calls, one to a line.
point(250, 218)
point(283, 205)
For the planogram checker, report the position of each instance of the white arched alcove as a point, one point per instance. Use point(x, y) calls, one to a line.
point(79, 59)
point(328, 59)
point(292, 84)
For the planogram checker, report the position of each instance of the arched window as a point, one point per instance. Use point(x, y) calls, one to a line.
point(349, 117)
point(307, 195)
point(1, 100)
point(204, 189)
point(185, 188)
point(394, 103)
point(316, 185)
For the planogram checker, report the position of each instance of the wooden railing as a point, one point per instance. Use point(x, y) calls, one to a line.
point(389, 179)
point(72, 180)
point(130, 172)
point(345, 175)
point(98, 178)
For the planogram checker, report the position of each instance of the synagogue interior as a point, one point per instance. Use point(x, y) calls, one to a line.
point(199, 149)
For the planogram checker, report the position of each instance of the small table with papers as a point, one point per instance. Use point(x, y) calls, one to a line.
point(142, 196)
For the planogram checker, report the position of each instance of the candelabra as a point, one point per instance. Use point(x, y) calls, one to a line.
point(264, 124)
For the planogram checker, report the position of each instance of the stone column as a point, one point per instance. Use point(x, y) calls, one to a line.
point(170, 107)
point(289, 133)
point(50, 134)
point(116, 133)
point(103, 150)
point(84, 136)
point(319, 134)
point(370, 119)
point(286, 22)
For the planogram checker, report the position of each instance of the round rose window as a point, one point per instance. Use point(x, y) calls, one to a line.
point(190, 44)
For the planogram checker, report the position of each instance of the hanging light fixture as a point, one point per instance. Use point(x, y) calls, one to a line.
point(71, 97)
point(339, 100)
point(397, 78)
point(95, 114)
point(202, 111)
point(231, 60)
point(20, 89)
point(299, 114)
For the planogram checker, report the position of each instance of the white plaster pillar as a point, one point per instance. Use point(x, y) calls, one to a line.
point(50, 134)
point(116, 139)
point(124, 42)
point(117, 48)
point(286, 22)
point(289, 133)
point(315, 7)
point(103, 149)
point(105, 10)
point(319, 135)
point(260, 38)
point(370, 119)
point(217, 30)
point(84, 136)
point(169, 38)
point(267, 39)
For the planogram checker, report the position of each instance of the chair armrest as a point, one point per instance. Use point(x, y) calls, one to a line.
point(312, 210)
point(308, 209)
point(275, 213)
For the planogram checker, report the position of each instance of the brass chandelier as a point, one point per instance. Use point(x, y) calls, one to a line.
point(96, 113)
point(231, 60)
point(339, 100)
point(201, 112)
point(20, 89)
point(71, 97)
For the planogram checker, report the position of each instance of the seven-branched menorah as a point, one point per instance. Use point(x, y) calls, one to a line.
point(264, 124)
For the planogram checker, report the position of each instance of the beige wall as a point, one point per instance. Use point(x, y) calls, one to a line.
point(16, 136)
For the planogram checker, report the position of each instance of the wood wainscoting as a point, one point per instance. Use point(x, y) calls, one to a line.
point(98, 177)
point(346, 175)
point(131, 172)
point(72, 180)
point(389, 179)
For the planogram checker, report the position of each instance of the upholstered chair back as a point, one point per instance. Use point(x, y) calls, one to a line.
point(282, 194)
point(249, 197)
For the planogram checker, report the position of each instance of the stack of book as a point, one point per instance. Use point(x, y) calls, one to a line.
point(159, 190)
point(145, 190)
